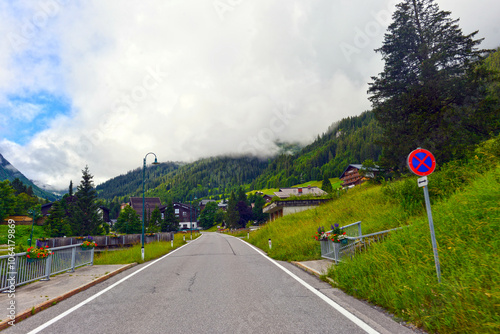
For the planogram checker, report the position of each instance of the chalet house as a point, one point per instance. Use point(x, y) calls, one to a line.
point(222, 205)
point(204, 203)
point(103, 211)
point(184, 213)
point(150, 203)
point(46, 208)
point(283, 207)
point(267, 198)
point(351, 176)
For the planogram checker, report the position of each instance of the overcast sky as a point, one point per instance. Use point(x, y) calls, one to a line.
point(102, 83)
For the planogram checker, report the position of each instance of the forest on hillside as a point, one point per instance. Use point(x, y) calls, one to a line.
point(351, 140)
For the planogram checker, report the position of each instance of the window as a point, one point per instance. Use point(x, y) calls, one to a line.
point(177, 211)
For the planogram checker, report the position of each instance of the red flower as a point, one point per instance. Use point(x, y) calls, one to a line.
point(46, 246)
point(29, 257)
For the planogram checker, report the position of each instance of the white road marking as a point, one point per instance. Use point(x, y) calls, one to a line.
point(360, 323)
point(76, 307)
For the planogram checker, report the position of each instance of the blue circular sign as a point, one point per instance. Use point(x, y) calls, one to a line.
point(421, 162)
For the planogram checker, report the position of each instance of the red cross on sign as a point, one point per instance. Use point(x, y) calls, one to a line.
point(421, 162)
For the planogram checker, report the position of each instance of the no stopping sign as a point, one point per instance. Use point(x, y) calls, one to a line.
point(421, 162)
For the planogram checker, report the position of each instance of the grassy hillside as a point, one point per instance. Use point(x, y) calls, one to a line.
point(351, 140)
point(336, 183)
point(22, 235)
point(399, 273)
point(292, 235)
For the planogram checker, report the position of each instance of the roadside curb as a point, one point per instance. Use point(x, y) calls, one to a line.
point(40, 307)
point(305, 268)
point(312, 271)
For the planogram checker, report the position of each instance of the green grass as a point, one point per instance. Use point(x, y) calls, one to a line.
point(212, 229)
point(399, 274)
point(336, 183)
point(22, 234)
point(292, 235)
point(132, 254)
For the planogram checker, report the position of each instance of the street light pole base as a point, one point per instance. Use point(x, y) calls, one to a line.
point(142, 253)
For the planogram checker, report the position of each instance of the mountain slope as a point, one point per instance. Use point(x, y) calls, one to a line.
point(9, 172)
point(210, 177)
point(351, 140)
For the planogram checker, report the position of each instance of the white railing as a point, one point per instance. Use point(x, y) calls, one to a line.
point(354, 242)
point(17, 269)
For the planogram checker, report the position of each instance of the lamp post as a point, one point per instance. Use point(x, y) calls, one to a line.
point(143, 191)
point(191, 214)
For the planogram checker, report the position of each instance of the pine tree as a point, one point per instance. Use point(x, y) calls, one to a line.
point(128, 221)
point(7, 199)
point(57, 224)
point(422, 97)
point(207, 216)
point(85, 218)
point(232, 211)
point(170, 222)
point(326, 185)
point(155, 221)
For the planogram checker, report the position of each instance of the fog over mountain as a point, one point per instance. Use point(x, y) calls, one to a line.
point(103, 83)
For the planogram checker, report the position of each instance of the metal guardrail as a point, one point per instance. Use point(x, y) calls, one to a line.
point(356, 242)
point(17, 270)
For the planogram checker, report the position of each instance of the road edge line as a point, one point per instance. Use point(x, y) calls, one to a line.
point(76, 307)
point(46, 304)
point(357, 321)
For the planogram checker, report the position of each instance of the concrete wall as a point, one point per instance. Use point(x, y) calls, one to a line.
point(294, 209)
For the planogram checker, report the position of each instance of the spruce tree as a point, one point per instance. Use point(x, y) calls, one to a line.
point(154, 221)
point(128, 221)
point(85, 218)
point(232, 211)
point(326, 185)
point(423, 98)
point(57, 224)
point(170, 222)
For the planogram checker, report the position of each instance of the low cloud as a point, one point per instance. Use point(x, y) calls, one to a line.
point(188, 79)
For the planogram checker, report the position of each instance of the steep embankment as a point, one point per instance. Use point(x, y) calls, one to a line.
point(399, 274)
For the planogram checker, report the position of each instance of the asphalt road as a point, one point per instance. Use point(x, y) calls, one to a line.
point(215, 284)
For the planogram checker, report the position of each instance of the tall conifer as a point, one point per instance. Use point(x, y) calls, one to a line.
point(424, 96)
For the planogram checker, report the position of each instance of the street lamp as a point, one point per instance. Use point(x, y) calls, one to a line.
point(191, 214)
point(143, 188)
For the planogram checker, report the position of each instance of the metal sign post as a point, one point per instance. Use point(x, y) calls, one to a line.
point(422, 163)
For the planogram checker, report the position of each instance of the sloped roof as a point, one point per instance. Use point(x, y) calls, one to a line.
point(300, 191)
point(149, 202)
point(358, 167)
